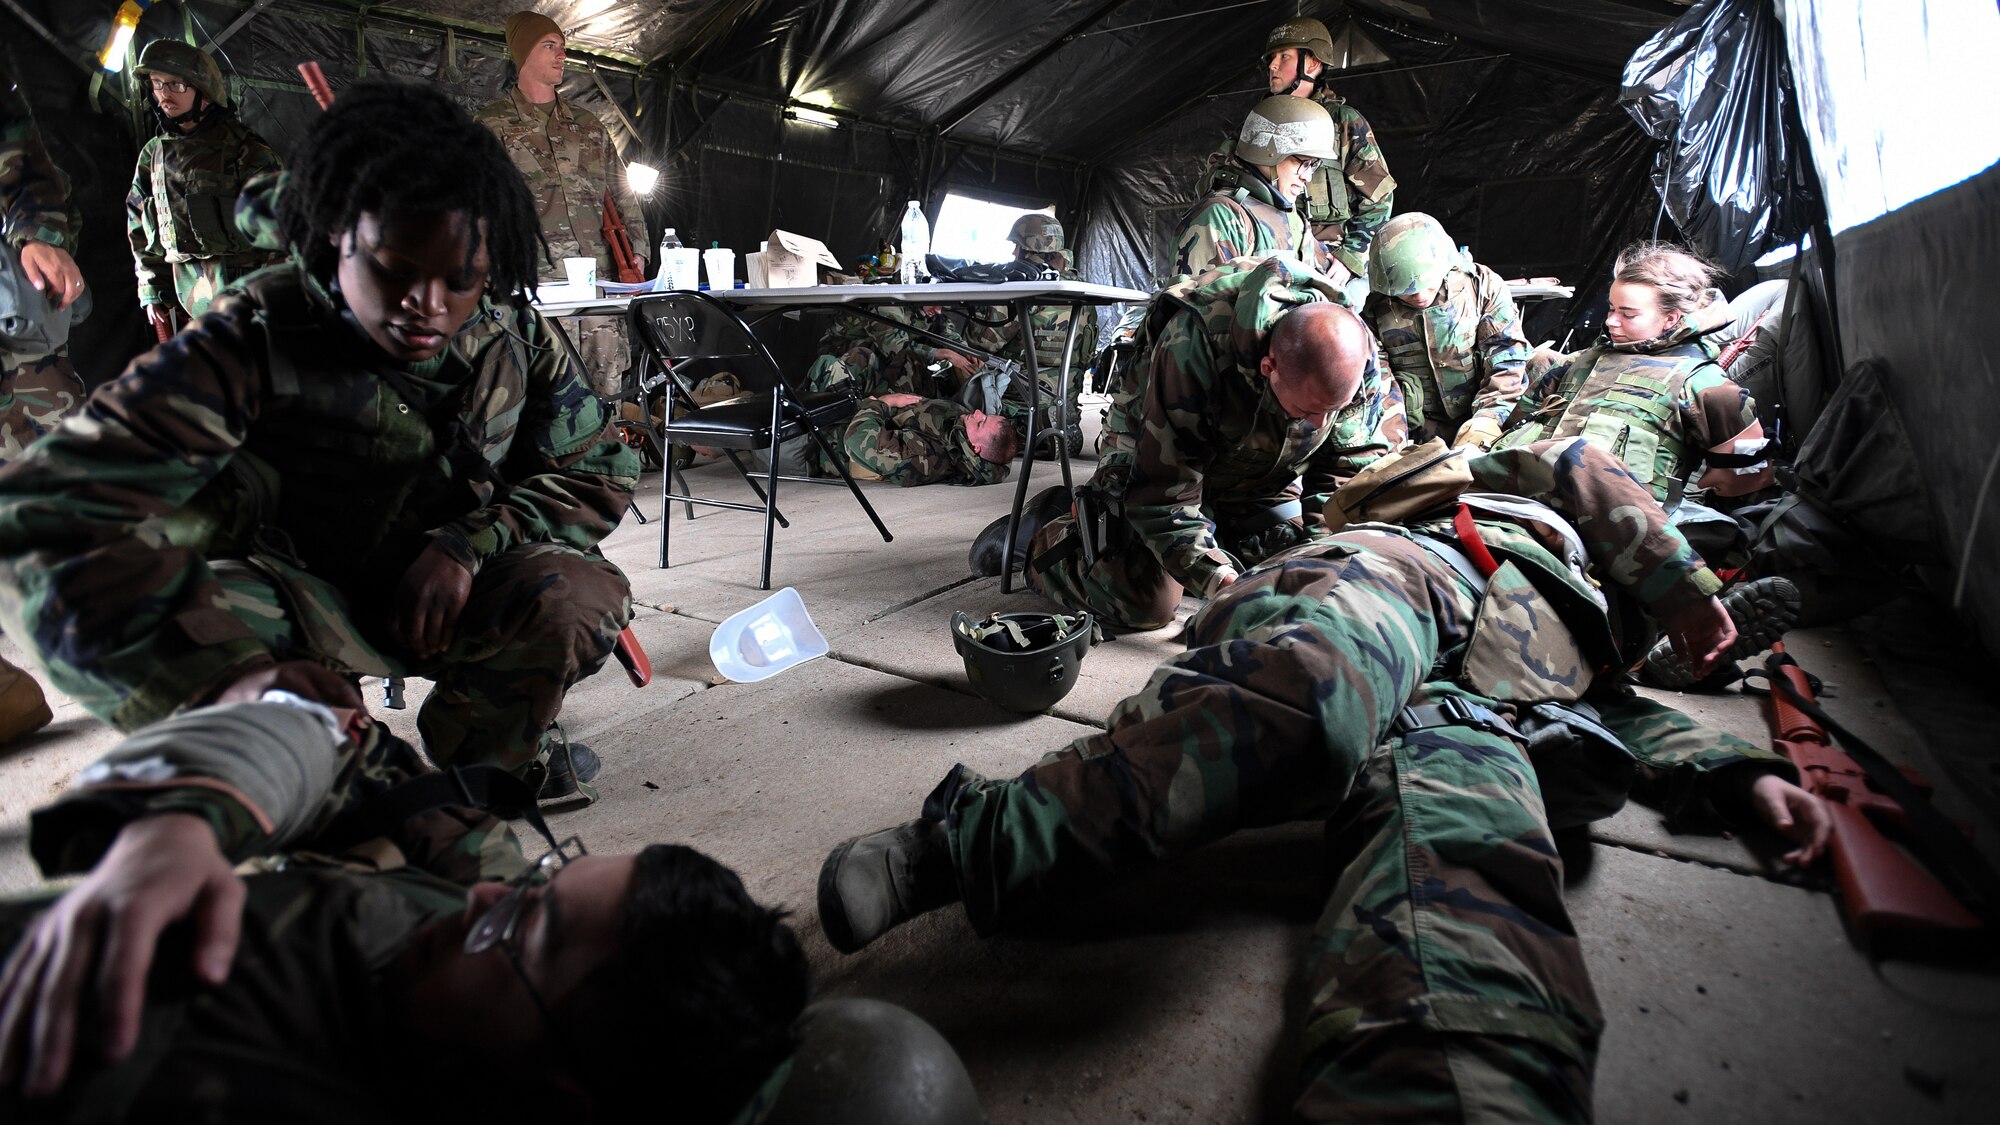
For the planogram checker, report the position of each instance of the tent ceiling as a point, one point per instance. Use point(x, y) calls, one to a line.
point(1065, 78)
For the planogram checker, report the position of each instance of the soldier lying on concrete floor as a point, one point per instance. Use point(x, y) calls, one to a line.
point(909, 440)
point(1445, 700)
point(370, 461)
point(395, 958)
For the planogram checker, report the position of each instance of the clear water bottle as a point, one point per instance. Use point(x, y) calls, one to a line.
point(668, 241)
point(915, 245)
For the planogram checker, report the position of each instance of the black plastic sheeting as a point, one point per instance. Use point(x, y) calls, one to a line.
point(1715, 87)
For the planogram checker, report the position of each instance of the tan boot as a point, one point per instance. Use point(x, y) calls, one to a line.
point(22, 706)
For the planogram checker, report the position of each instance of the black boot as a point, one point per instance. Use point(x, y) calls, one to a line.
point(565, 766)
point(985, 556)
point(874, 883)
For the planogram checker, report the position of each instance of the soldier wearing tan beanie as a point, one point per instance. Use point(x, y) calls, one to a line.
point(569, 162)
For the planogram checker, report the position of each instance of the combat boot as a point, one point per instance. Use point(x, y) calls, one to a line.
point(1762, 610)
point(23, 707)
point(988, 554)
point(563, 768)
point(874, 883)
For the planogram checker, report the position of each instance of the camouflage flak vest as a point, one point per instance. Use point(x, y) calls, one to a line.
point(1623, 403)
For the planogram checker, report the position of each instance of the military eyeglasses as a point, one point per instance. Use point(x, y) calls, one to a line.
point(1307, 163)
point(169, 86)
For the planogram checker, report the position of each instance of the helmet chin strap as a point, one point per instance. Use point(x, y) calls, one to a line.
point(1299, 75)
point(200, 111)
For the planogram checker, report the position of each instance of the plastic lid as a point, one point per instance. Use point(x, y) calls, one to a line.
point(669, 230)
point(766, 639)
point(717, 245)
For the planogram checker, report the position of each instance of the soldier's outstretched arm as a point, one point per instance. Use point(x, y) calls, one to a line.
point(34, 193)
point(156, 283)
point(1503, 352)
point(1176, 442)
point(133, 625)
point(1624, 530)
point(568, 477)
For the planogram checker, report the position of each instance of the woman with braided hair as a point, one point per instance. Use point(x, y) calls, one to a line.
point(374, 459)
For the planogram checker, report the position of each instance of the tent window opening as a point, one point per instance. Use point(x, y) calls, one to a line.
point(976, 229)
point(1890, 96)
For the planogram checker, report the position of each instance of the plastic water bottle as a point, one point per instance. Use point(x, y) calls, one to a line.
point(916, 243)
point(668, 241)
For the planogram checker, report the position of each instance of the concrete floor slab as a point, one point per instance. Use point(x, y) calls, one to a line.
point(1169, 998)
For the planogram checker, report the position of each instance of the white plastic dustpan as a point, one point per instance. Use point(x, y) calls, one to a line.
point(764, 640)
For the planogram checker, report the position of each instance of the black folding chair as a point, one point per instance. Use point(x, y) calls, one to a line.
point(684, 327)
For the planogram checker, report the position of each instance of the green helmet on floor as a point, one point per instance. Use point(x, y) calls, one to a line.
point(1410, 255)
point(191, 65)
point(1037, 234)
point(1282, 126)
point(1022, 662)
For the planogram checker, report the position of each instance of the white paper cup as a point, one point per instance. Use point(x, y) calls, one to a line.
point(721, 267)
point(581, 272)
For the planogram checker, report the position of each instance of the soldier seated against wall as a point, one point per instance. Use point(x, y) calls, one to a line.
point(1445, 696)
point(1252, 392)
point(373, 460)
point(395, 958)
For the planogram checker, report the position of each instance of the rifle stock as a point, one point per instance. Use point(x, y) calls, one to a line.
point(620, 243)
point(1883, 891)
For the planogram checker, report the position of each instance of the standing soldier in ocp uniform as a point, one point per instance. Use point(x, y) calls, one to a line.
point(1350, 196)
point(180, 213)
point(569, 162)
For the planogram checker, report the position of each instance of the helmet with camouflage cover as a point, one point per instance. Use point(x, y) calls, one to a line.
point(1037, 234)
point(1282, 126)
point(1308, 35)
point(1410, 255)
point(190, 64)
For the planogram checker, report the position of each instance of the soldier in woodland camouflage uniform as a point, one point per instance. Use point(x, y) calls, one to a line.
point(1449, 331)
point(36, 391)
point(40, 225)
point(908, 440)
point(1038, 239)
point(1209, 437)
point(569, 162)
point(873, 358)
point(180, 213)
point(1351, 194)
point(353, 957)
point(1650, 391)
point(373, 460)
point(1429, 708)
point(1253, 187)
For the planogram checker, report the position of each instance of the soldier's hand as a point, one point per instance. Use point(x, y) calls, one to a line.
point(1480, 433)
point(427, 606)
point(960, 362)
point(1701, 633)
point(51, 270)
point(305, 678)
point(96, 944)
point(1796, 814)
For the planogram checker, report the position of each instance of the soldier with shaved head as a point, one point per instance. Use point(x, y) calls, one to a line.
point(1245, 377)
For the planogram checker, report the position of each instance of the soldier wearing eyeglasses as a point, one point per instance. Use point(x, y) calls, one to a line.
point(1253, 186)
point(395, 958)
point(179, 215)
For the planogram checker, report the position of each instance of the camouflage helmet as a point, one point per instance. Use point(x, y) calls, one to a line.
point(1410, 255)
point(1022, 662)
point(1037, 234)
point(192, 65)
point(1282, 126)
point(1308, 35)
